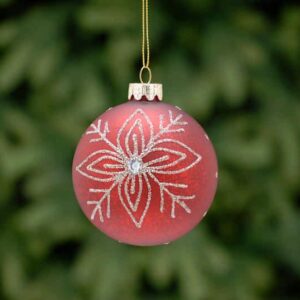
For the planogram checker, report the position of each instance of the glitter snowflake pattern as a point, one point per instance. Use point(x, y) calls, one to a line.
point(134, 160)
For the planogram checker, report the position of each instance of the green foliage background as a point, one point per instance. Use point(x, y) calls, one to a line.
point(233, 65)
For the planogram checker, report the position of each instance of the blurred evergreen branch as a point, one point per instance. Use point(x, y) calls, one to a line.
point(234, 65)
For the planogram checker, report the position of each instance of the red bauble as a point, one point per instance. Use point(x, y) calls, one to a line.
point(145, 173)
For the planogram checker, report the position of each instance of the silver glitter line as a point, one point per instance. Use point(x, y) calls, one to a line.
point(96, 129)
point(91, 168)
point(176, 130)
point(132, 186)
point(175, 198)
point(98, 207)
point(196, 155)
point(148, 122)
point(181, 157)
point(133, 204)
point(107, 154)
point(137, 124)
point(111, 166)
point(157, 160)
point(97, 191)
point(164, 130)
point(138, 223)
point(135, 145)
point(108, 207)
point(177, 185)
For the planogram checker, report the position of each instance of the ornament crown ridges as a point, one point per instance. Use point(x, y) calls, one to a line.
point(148, 91)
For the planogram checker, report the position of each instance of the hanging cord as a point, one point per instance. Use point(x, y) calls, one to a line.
point(145, 42)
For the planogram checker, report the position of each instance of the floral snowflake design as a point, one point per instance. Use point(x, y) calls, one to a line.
point(135, 159)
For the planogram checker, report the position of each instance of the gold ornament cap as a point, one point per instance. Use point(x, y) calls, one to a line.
point(145, 91)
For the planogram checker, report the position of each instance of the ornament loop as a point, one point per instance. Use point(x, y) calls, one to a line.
point(149, 74)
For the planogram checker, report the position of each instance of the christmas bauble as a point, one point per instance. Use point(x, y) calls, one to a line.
point(145, 172)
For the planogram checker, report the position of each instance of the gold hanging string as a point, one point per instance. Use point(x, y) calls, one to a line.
point(145, 42)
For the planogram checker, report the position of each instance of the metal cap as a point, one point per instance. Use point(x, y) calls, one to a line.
point(147, 91)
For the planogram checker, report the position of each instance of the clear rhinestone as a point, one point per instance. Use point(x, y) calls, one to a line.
point(134, 166)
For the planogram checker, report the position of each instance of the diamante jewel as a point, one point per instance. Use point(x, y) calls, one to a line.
point(134, 166)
